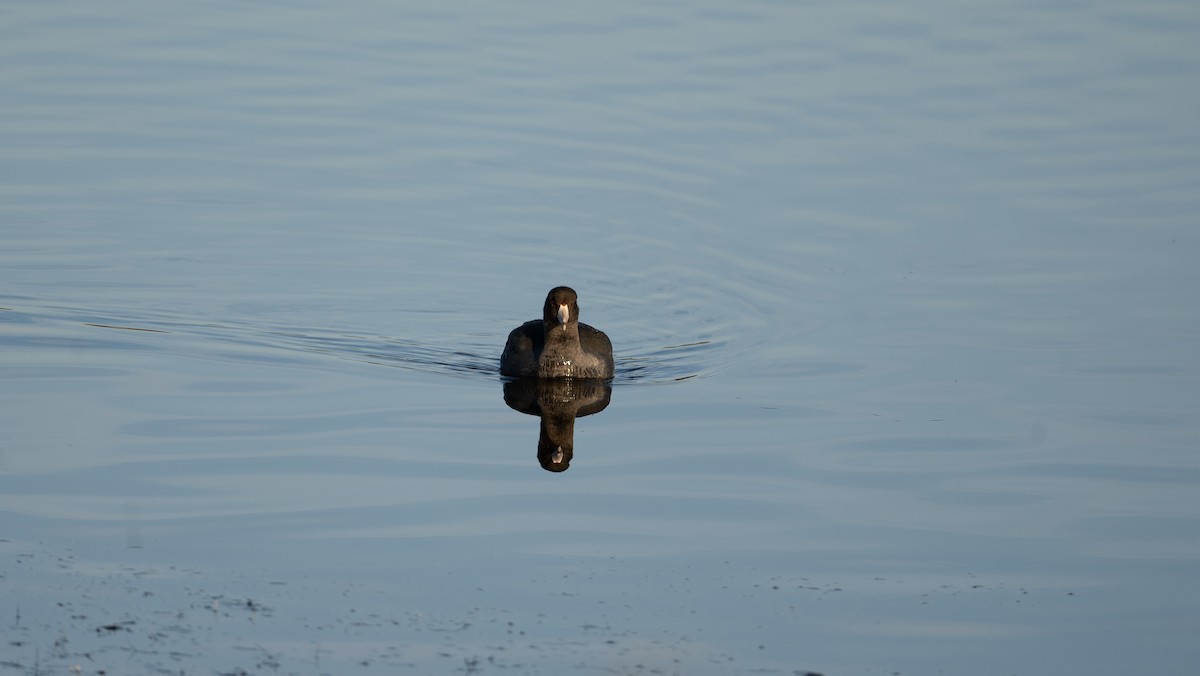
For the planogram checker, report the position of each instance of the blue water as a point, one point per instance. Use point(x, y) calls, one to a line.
point(902, 296)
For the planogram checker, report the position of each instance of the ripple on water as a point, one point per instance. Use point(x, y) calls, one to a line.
point(922, 453)
point(471, 356)
point(669, 321)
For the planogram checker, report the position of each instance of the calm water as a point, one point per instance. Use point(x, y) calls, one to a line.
point(903, 295)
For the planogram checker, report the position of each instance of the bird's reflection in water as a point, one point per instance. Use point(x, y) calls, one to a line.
point(558, 403)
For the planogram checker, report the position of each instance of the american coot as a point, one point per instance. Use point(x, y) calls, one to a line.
point(557, 345)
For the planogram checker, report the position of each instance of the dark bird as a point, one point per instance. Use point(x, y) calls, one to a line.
point(558, 345)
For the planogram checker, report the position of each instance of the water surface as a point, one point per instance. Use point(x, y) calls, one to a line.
point(902, 300)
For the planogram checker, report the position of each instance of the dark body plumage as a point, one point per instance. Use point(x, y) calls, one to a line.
point(558, 345)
